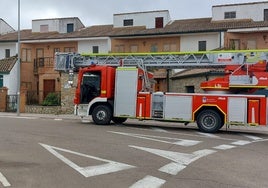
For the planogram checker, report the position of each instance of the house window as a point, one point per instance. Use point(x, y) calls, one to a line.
point(27, 85)
point(202, 45)
point(7, 53)
point(229, 15)
point(26, 55)
point(251, 44)
point(170, 48)
point(128, 22)
point(265, 15)
point(95, 49)
point(69, 49)
point(56, 50)
point(189, 89)
point(40, 57)
point(43, 28)
point(119, 48)
point(134, 48)
point(234, 44)
point(159, 22)
point(70, 27)
point(39, 53)
point(154, 48)
point(1, 81)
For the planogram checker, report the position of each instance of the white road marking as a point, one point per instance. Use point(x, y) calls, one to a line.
point(159, 130)
point(181, 142)
point(252, 137)
point(19, 117)
point(184, 142)
point(262, 140)
point(58, 119)
point(89, 171)
point(224, 147)
point(208, 135)
point(85, 121)
point(172, 168)
point(180, 159)
point(148, 182)
point(4, 181)
point(241, 142)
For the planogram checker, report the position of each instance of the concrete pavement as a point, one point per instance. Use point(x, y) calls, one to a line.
point(260, 129)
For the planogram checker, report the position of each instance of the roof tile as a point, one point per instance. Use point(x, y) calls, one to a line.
point(7, 64)
point(174, 27)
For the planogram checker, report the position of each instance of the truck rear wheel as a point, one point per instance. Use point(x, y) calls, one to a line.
point(209, 121)
point(102, 115)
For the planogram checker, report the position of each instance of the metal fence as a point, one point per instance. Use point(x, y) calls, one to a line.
point(12, 103)
point(39, 97)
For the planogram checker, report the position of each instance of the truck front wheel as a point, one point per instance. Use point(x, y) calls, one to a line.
point(119, 120)
point(102, 115)
point(209, 121)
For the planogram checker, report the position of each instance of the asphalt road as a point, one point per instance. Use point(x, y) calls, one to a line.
point(68, 153)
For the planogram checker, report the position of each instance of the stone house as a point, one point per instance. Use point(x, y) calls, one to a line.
point(188, 81)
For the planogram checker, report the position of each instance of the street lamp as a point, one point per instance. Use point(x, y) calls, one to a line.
point(18, 65)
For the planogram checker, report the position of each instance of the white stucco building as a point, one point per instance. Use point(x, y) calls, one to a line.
point(256, 11)
point(61, 25)
point(5, 27)
point(8, 48)
point(149, 19)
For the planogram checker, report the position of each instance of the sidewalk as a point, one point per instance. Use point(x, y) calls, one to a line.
point(48, 116)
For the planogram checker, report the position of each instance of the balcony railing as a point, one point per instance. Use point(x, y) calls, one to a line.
point(43, 62)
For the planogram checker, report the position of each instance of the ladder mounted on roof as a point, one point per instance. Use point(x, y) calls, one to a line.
point(169, 60)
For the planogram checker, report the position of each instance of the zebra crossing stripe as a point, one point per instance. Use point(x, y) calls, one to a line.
point(255, 138)
point(241, 142)
point(4, 181)
point(224, 147)
point(148, 182)
point(172, 168)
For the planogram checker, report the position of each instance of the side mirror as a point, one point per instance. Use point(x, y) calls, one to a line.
point(71, 78)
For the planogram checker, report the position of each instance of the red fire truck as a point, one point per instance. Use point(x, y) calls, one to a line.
point(115, 87)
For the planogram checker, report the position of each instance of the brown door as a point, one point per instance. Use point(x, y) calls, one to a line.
point(49, 87)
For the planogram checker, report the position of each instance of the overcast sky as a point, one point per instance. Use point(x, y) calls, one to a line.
point(101, 12)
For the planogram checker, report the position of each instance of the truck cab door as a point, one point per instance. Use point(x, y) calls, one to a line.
point(90, 86)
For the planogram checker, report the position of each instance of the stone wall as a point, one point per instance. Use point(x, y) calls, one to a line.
point(67, 93)
point(179, 85)
point(35, 109)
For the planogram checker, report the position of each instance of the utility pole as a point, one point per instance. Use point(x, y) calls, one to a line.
point(18, 63)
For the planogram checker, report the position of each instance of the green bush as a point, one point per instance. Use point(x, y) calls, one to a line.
point(52, 99)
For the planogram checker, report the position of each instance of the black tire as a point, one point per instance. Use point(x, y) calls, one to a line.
point(209, 121)
point(102, 115)
point(119, 120)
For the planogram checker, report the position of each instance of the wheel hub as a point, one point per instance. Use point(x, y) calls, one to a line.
point(209, 121)
point(101, 115)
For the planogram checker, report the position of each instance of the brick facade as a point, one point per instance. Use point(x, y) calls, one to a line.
point(3, 99)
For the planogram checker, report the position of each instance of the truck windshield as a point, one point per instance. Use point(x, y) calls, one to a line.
point(90, 86)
